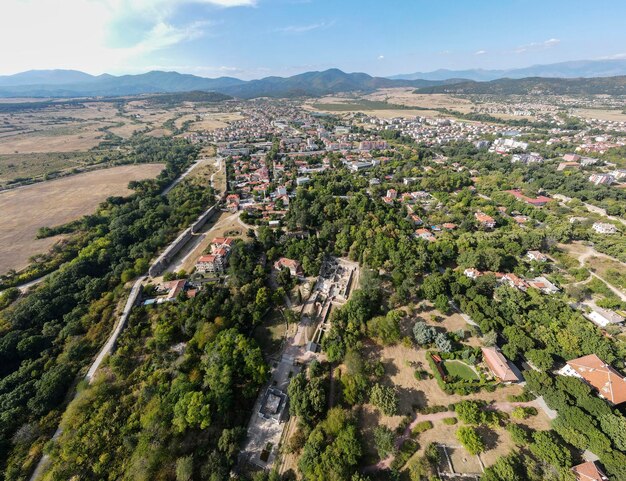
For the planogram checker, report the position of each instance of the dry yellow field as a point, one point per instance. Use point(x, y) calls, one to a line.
point(405, 96)
point(26, 209)
point(601, 114)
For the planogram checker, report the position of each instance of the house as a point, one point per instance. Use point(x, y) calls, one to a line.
point(485, 220)
point(210, 264)
point(513, 281)
point(472, 273)
point(302, 181)
point(218, 243)
point(392, 193)
point(536, 256)
point(425, 234)
point(601, 179)
point(568, 165)
point(416, 219)
point(604, 228)
point(589, 471)
point(609, 383)
point(499, 366)
point(603, 317)
point(449, 226)
point(295, 269)
point(538, 201)
point(571, 157)
point(544, 285)
point(174, 288)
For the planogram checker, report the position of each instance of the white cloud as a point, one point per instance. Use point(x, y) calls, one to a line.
point(381, 57)
point(78, 33)
point(534, 46)
point(294, 29)
point(616, 56)
point(480, 52)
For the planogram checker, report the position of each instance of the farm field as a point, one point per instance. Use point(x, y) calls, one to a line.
point(19, 166)
point(26, 209)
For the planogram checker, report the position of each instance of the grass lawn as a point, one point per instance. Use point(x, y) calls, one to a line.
point(460, 369)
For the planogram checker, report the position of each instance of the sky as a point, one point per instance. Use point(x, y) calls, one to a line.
point(256, 38)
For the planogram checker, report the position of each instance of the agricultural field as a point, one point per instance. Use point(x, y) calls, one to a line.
point(26, 209)
point(38, 165)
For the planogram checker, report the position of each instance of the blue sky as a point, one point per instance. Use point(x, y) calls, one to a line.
point(256, 38)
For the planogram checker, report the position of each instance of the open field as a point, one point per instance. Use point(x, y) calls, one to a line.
point(208, 121)
point(26, 209)
point(16, 166)
point(405, 96)
point(66, 139)
point(601, 114)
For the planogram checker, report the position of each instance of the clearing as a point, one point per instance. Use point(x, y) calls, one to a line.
point(26, 209)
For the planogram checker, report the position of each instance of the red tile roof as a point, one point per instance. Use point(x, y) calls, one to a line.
point(609, 383)
point(589, 472)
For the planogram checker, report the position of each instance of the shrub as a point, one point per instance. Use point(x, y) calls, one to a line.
point(450, 421)
point(523, 412)
point(409, 448)
point(421, 427)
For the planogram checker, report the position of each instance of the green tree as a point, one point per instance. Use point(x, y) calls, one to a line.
point(384, 439)
point(385, 398)
point(470, 439)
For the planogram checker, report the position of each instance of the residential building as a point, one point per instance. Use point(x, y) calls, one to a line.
point(499, 365)
point(536, 256)
point(603, 317)
point(589, 471)
point(472, 273)
point(425, 234)
point(295, 269)
point(544, 285)
point(601, 179)
point(485, 220)
point(609, 383)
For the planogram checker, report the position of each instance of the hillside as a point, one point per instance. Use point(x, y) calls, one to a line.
point(535, 86)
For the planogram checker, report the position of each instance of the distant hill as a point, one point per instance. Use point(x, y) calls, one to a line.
point(46, 77)
point(71, 83)
point(50, 84)
point(574, 69)
point(535, 86)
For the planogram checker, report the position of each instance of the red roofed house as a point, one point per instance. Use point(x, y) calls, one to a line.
point(221, 243)
point(538, 201)
point(499, 365)
point(210, 263)
point(609, 383)
point(295, 269)
point(424, 234)
point(589, 471)
point(485, 220)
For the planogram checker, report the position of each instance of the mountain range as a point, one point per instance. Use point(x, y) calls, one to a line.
point(535, 86)
point(574, 69)
point(73, 83)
